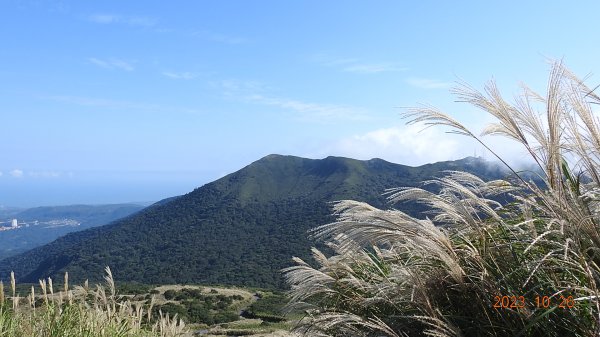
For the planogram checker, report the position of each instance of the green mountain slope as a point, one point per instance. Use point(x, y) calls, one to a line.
point(41, 225)
point(241, 229)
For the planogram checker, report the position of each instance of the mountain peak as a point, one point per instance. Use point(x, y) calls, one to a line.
point(273, 156)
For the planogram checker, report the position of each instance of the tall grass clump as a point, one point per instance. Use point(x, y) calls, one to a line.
point(81, 312)
point(513, 257)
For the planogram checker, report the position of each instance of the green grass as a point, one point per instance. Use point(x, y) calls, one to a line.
point(135, 310)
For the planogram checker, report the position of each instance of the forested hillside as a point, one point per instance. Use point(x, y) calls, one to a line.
point(41, 225)
point(241, 229)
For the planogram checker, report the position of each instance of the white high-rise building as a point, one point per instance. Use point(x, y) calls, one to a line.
point(14, 223)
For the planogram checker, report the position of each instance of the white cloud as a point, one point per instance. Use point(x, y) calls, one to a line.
point(132, 20)
point(98, 102)
point(0, 173)
point(314, 112)
point(140, 21)
point(44, 174)
point(180, 75)
point(330, 62)
point(258, 93)
point(121, 64)
point(16, 173)
point(373, 68)
point(232, 87)
point(221, 38)
point(409, 145)
point(416, 145)
point(428, 83)
point(116, 104)
point(357, 66)
point(112, 63)
point(103, 18)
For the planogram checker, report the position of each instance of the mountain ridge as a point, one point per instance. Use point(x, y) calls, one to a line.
point(240, 229)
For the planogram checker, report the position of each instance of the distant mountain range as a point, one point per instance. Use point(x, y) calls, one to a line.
point(241, 229)
point(41, 225)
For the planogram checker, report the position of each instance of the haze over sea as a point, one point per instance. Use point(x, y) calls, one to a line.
point(118, 101)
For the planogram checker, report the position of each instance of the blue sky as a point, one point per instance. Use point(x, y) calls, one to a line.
point(113, 101)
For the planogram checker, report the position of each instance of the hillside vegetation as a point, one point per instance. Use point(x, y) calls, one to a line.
point(475, 267)
point(81, 311)
point(40, 230)
point(57, 309)
point(241, 229)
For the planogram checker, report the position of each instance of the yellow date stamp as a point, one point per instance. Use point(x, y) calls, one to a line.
point(519, 302)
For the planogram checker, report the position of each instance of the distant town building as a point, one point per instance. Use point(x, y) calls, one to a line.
point(14, 223)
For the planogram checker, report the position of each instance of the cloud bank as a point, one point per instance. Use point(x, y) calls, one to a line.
point(16, 173)
point(409, 145)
